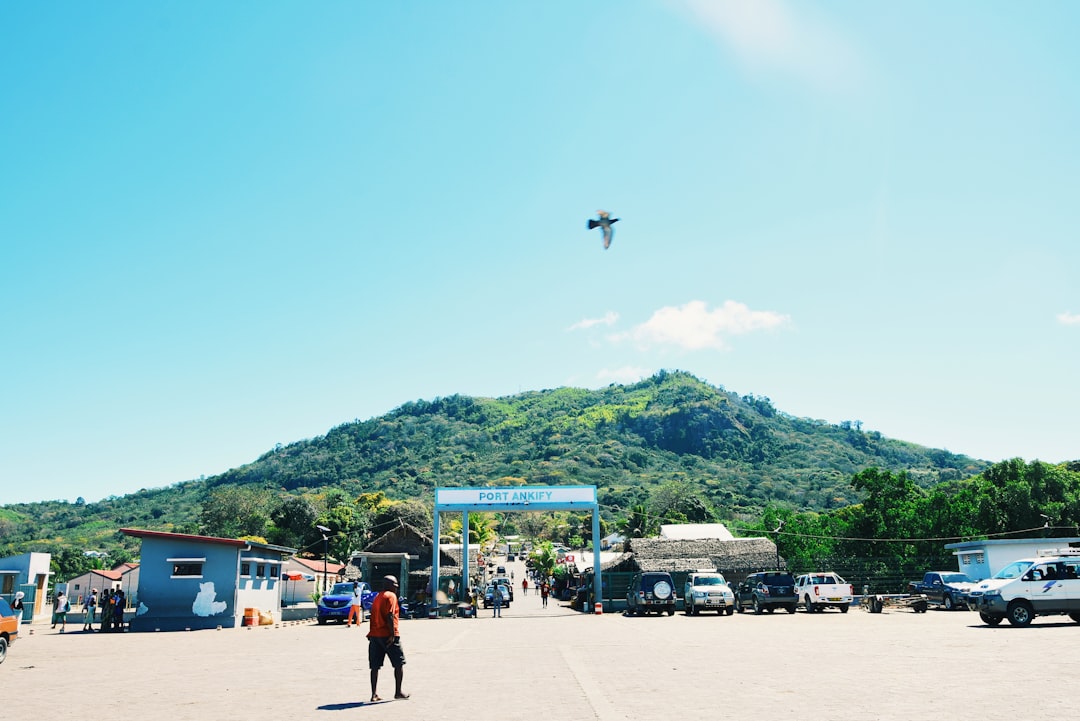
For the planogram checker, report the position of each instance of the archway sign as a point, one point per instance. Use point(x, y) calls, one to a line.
point(513, 498)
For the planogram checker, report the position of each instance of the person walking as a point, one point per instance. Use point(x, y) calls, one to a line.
point(543, 594)
point(524, 587)
point(356, 610)
point(384, 638)
point(496, 600)
point(89, 606)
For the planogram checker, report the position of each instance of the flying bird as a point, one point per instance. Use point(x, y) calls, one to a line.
point(604, 223)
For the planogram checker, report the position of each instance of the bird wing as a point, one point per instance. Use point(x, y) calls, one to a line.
point(593, 223)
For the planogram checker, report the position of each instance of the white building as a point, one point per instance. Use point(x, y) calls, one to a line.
point(979, 560)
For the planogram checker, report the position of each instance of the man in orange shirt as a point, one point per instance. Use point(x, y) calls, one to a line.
point(384, 639)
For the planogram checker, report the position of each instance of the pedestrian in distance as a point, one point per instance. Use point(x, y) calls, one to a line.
point(524, 587)
point(544, 594)
point(106, 604)
point(17, 606)
point(60, 611)
point(89, 607)
point(384, 638)
point(496, 600)
point(119, 604)
point(356, 610)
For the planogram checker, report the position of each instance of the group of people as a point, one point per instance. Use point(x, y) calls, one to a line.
point(112, 603)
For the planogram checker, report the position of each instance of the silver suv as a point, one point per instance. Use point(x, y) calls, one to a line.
point(707, 591)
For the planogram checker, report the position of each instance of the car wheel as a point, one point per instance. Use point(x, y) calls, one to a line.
point(3, 648)
point(809, 606)
point(1075, 616)
point(948, 603)
point(843, 609)
point(991, 620)
point(1020, 613)
point(322, 620)
point(791, 607)
point(671, 611)
point(757, 607)
point(738, 607)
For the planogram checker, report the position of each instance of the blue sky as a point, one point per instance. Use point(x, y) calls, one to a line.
point(230, 225)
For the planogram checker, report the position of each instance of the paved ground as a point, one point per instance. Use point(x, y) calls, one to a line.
point(534, 664)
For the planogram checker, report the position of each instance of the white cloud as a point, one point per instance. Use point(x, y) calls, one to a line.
point(770, 35)
point(626, 374)
point(608, 318)
point(694, 327)
point(1069, 318)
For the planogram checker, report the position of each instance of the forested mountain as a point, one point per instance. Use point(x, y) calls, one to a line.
point(734, 454)
point(623, 439)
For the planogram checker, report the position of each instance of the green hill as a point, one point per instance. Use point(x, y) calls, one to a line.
point(738, 452)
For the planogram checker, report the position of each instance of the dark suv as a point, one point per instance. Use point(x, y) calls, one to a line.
point(765, 591)
point(651, 591)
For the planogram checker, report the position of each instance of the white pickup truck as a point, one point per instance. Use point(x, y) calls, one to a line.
point(818, 591)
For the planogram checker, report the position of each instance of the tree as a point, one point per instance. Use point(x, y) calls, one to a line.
point(294, 521)
point(234, 511)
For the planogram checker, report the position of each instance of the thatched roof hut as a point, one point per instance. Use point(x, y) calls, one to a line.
point(410, 542)
point(735, 558)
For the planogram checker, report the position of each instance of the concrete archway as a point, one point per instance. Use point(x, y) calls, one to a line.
point(519, 499)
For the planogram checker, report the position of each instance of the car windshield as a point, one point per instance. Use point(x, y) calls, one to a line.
point(1014, 570)
point(341, 589)
point(709, 581)
point(824, 579)
point(954, 578)
point(778, 579)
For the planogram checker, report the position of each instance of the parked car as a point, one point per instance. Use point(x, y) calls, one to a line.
point(819, 591)
point(766, 591)
point(506, 584)
point(493, 588)
point(1041, 586)
point(334, 604)
point(651, 591)
point(949, 589)
point(707, 591)
point(9, 628)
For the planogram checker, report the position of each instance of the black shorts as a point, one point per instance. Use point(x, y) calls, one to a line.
point(379, 648)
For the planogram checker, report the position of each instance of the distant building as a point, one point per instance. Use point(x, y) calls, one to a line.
point(124, 577)
point(696, 531)
point(979, 560)
point(29, 573)
point(305, 576)
point(193, 582)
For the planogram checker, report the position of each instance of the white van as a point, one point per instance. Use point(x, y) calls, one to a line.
point(1046, 585)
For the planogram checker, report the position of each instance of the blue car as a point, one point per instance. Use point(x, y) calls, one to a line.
point(335, 603)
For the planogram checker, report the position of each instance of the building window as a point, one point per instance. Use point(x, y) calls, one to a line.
point(245, 569)
point(274, 570)
point(980, 558)
point(966, 559)
point(260, 571)
point(187, 569)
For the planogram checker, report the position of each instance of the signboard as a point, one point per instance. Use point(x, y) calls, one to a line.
point(515, 495)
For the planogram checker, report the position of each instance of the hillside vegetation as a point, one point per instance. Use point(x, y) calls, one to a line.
point(729, 456)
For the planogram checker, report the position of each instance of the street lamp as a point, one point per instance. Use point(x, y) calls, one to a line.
point(325, 550)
